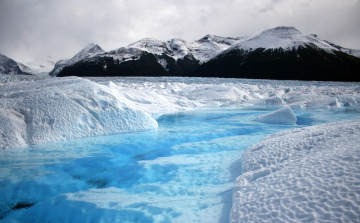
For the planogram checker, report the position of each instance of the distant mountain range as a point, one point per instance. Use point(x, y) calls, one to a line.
point(39, 65)
point(278, 53)
point(285, 53)
point(146, 57)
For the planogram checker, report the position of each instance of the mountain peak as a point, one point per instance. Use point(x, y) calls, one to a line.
point(283, 31)
point(88, 50)
point(92, 48)
point(282, 37)
point(89, 46)
point(145, 41)
point(205, 38)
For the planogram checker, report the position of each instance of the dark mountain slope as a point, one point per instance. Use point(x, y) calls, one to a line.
point(303, 63)
point(146, 65)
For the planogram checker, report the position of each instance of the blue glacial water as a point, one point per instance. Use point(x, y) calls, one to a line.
point(182, 172)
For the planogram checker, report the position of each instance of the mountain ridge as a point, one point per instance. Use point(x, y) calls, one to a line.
point(286, 51)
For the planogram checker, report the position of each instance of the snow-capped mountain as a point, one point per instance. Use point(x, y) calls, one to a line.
point(176, 57)
point(10, 66)
point(283, 53)
point(202, 49)
point(89, 51)
point(279, 53)
point(286, 38)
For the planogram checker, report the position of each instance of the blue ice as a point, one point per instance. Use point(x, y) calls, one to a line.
point(182, 172)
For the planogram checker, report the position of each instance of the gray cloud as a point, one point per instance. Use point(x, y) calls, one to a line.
point(62, 28)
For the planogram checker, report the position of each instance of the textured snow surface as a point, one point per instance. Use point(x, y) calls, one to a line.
point(284, 115)
point(310, 174)
point(55, 109)
point(282, 37)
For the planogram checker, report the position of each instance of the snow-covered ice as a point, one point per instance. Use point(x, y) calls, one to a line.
point(302, 175)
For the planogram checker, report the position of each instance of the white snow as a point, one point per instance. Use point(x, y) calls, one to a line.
point(203, 49)
point(282, 37)
point(209, 46)
point(163, 63)
point(302, 175)
point(354, 52)
point(150, 45)
point(284, 115)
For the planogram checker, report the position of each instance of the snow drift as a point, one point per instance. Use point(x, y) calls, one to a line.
point(301, 175)
point(58, 109)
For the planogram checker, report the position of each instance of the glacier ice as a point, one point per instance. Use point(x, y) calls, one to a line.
point(283, 115)
point(13, 129)
point(56, 109)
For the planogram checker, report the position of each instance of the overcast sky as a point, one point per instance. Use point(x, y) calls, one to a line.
point(60, 28)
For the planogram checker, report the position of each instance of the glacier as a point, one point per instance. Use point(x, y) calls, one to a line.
point(303, 174)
